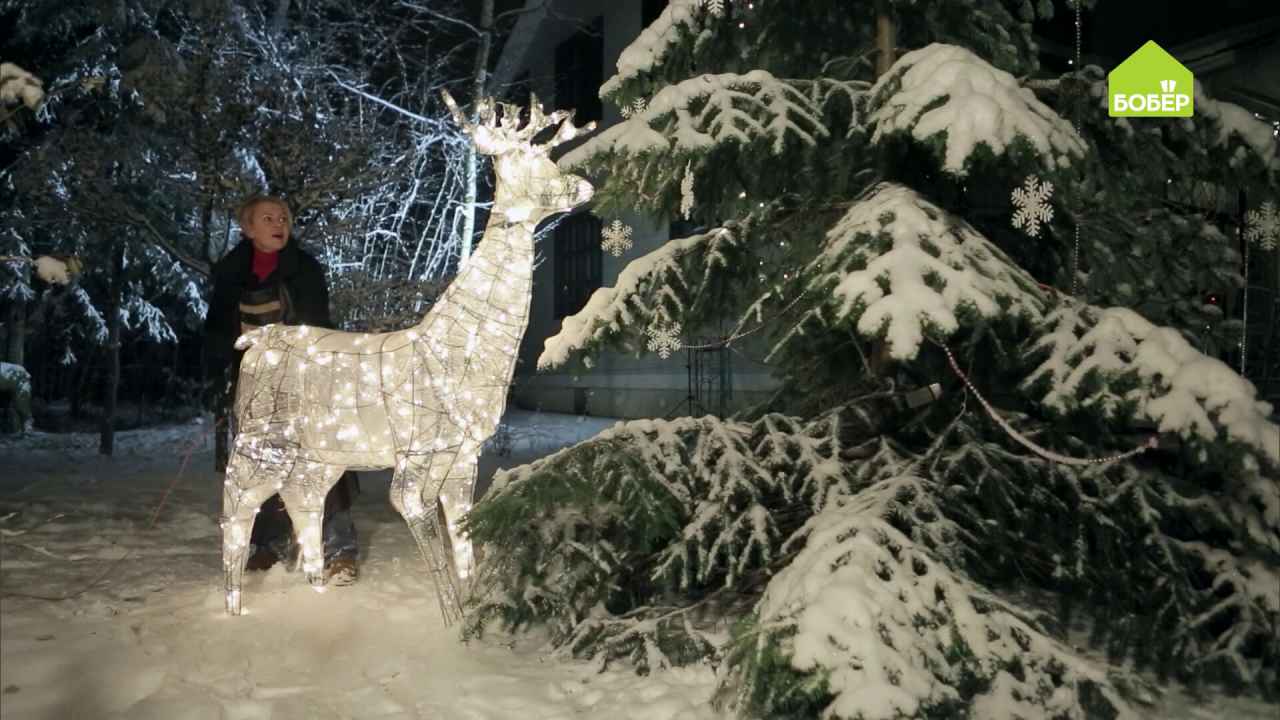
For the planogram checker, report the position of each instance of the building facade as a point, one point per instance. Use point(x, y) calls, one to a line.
point(564, 51)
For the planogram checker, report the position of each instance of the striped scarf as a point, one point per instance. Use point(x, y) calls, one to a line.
point(262, 305)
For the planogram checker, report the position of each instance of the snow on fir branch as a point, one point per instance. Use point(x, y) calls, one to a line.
point(622, 542)
point(704, 112)
point(15, 377)
point(947, 93)
point(140, 315)
point(1234, 121)
point(80, 313)
point(649, 49)
point(1107, 359)
point(654, 289)
point(871, 550)
point(892, 632)
point(899, 265)
point(604, 508)
point(1232, 128)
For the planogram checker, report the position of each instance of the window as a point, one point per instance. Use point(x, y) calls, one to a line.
point(580, 72)
point(520, 87)
point(577, 262)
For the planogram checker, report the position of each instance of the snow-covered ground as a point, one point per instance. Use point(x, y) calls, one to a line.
point(143, 635)
point(149, 638)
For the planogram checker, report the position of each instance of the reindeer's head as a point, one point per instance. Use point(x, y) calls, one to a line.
point(530, 186)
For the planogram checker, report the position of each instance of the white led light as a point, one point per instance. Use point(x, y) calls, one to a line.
point(439, 394)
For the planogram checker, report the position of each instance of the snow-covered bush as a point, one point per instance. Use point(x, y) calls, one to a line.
point(15, 382)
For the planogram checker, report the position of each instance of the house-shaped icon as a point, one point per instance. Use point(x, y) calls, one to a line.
point(1150, 83)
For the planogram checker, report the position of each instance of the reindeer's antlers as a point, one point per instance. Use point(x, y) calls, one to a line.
point(506, 131)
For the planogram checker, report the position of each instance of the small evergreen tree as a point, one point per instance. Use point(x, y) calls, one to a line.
point(884, 563)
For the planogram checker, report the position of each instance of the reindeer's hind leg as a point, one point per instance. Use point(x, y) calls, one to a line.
point(246, 486)
point(303, 493)
point(455, 497)
point(412, 495)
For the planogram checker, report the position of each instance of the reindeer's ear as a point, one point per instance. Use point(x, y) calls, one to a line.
point(567, 131)
point(537, 118)
point(458, 117)
point(510, 116)
point(485, 112)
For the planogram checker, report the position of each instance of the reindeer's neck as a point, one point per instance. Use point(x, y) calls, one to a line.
point(491, 293)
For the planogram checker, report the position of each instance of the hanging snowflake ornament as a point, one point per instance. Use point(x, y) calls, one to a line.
point(686, 192)
point(664, 341)
point(1262, 226)
point(616, 238)
point(634, 108)
point(715, 8)
point(1032, 201)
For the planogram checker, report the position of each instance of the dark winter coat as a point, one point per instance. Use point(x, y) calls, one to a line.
point(305, 296)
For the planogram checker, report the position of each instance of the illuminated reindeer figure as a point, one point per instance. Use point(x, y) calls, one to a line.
point(313, 403)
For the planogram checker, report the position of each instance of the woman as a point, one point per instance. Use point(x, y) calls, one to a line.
point(266, 279)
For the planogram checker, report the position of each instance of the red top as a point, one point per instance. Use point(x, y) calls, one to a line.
point(264, 263)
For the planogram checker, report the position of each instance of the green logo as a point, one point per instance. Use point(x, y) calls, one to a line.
point(1151, 83)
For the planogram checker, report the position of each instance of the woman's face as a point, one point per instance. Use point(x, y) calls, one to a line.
point(268, 227)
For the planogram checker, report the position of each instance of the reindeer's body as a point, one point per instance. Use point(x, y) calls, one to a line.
point(314, 403)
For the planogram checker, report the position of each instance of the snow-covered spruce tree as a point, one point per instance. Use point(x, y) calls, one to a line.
point(906, 567)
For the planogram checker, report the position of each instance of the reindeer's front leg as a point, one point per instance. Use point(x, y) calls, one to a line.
point(303, 493)
point(455, 496)
point(248, 484)
point(413, 496)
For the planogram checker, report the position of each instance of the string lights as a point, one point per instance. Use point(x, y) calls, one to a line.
point(1151, 443)
point(1075, 248)
point(313, 403)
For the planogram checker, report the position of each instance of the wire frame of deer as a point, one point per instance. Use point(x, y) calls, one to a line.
point(313, 403)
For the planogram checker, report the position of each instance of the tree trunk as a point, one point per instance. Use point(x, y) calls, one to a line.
point(886, 38)
point(880, 360)
point(206, 229)
point(478, 89)
point(81, 384)
point(886, 33)
point(280, 19)
point(106, 444)
point(16, 352)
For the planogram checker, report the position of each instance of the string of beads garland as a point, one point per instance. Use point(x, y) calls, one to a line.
point(1075, 252)
point(1026, 442)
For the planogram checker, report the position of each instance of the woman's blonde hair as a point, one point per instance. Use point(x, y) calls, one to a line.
point(245, 213)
